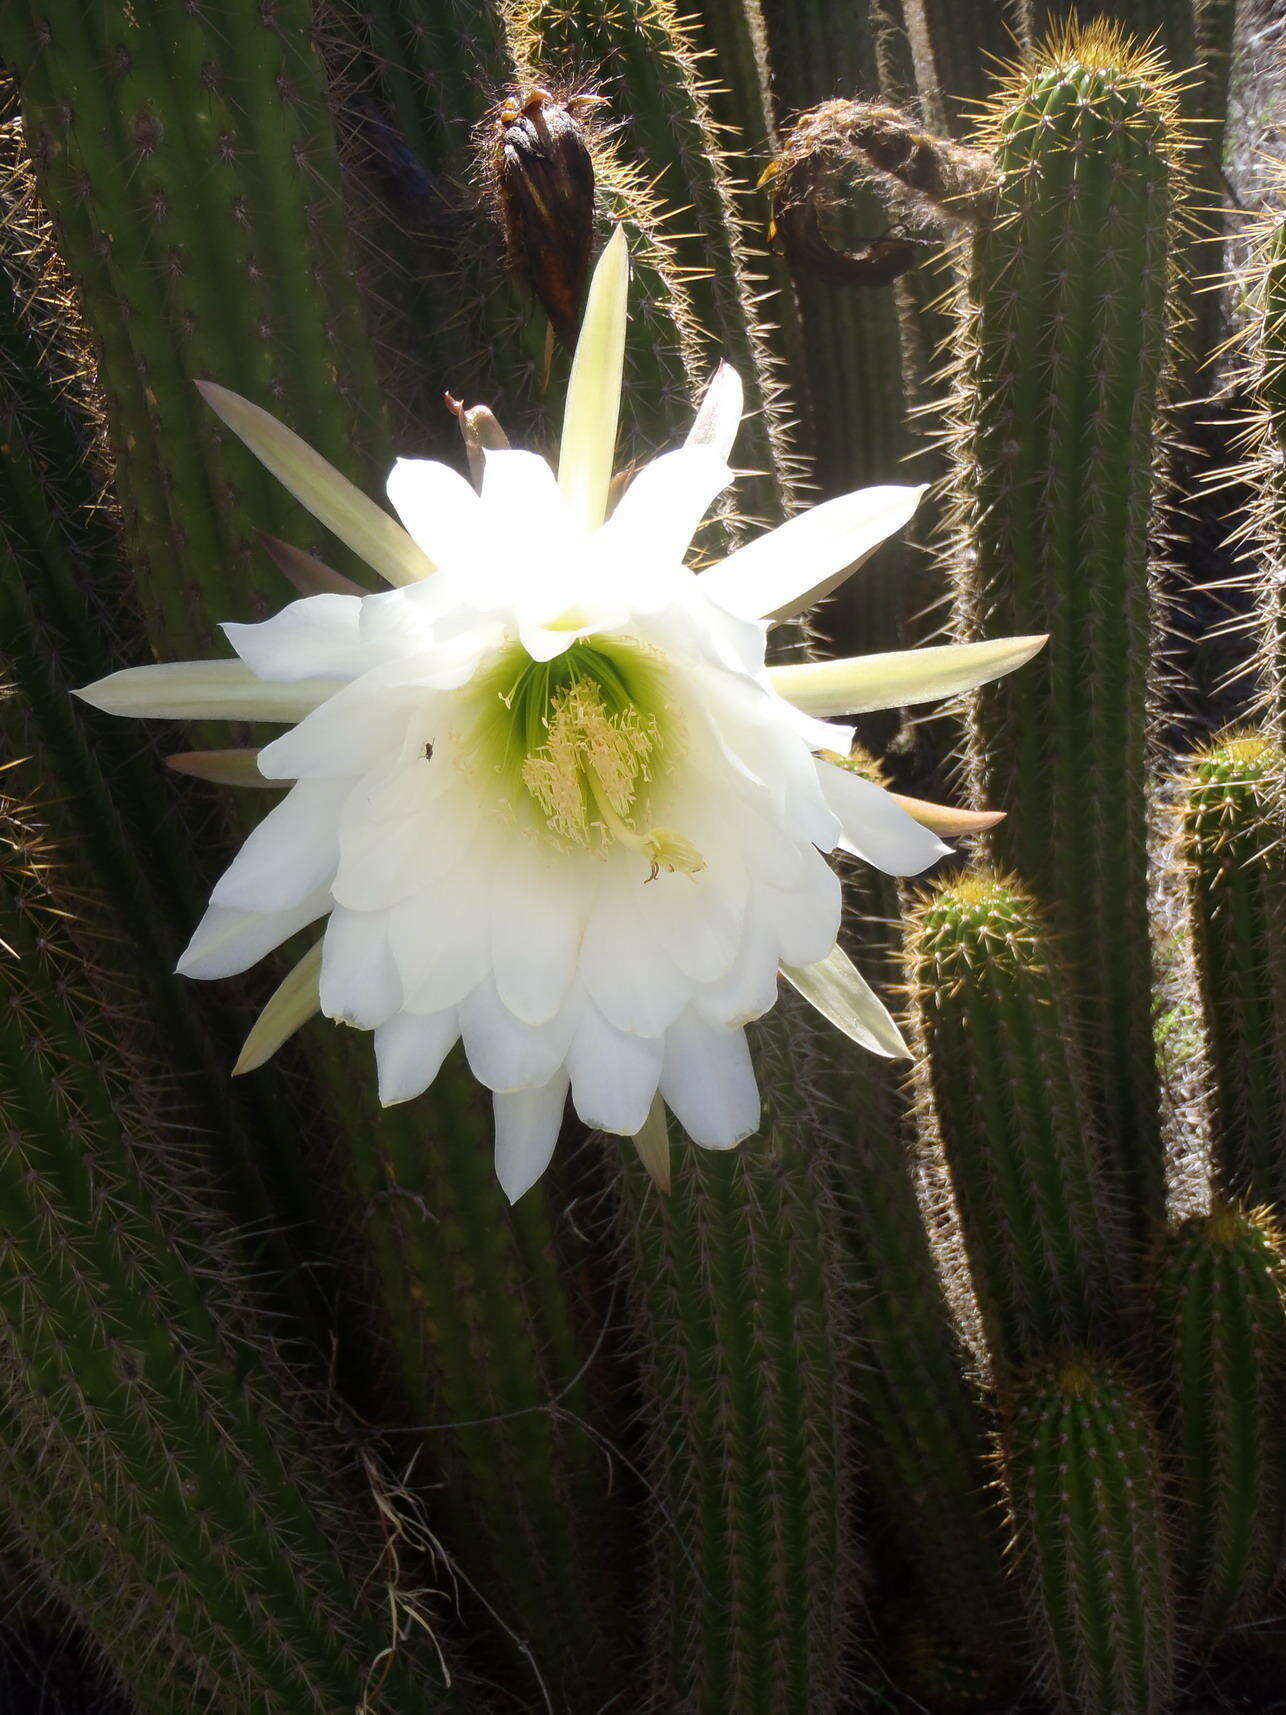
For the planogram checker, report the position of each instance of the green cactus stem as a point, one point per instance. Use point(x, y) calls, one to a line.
point(211, 1542)
point(1005, 1100)
point(743, 1337)
point(957, 45)
point(1083, 1481)
point(1220, 1330)
point(1058, 423)
point(485, 1341)
point(1236, 872)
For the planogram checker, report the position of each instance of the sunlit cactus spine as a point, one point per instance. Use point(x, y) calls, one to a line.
point(741, 1327)
point(1091, 1539)
point(1006, 1101)
point(1058, 422)
point(181, 1492)
point(1232, 844)
point(1220, 1332)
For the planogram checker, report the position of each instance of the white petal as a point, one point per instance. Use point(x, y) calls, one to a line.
point(659, 512)
point(204, 690)
point(719, 418)
point(792, 567)
point(614, 1075)
point(356, 520)
point(316, 638)
point(626, 972)
point(359, 980)
point(291, 853)
point(750, 988)
point(505, 1054)
point(875, 828)
point(394, 835)
point(441, 939)
point(841, 994)
point(228, 942)
point(805, 920)
point(522, 494)
point(292, 1003)
point(697, 918)
point(527, 1127)
point(351, 732)
point(904, 676)
point(536, 930)
point(594, 390)
point(709, 1083)
point(409, 1051)
point(438, 507)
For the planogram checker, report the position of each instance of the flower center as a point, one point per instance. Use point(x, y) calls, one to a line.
point(585, 735)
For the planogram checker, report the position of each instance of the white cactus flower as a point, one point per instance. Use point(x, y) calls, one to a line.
point(544, 793)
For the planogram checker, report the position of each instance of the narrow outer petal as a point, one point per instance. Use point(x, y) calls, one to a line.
point(863, 682)
point(203, 691)
point(875, 827)
point(227, 942)
point(527, 1127)
point(787, 570)
point(330, 497)
point(292, 1003)
point(594, 390)
point(719, 417)
point(841, 994)
point(409, 1051)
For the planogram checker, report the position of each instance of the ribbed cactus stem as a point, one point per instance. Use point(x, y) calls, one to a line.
point(1236, 872)
point(1058, 422)
point(189, 166)
point(223, 1550)
point(1220, 1330)
point(1084, 1485)
point(1007, 1104)
point(743, 1338)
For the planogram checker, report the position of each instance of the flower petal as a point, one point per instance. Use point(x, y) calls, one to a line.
point(521, 493)
point(290, 854)
point(305, 571)
point(658, 514)
point(536, 930)
point(409, 1050)
point(330, 497)
point(841, 994)
point(790, 568)
point(292, 1003)
point(945, 818)
point(875, 827)
point(204, 690)
point(652, 1141)
point(594, 390)
point(527, 1126)
point(719, 417)
point(864, 682)
point(439, 508)
point(228, 942)
point(709, 1083)
point(317, 638)
point(359, 980)
point(614, 1075)
point(505, 1054)
point(222, 767)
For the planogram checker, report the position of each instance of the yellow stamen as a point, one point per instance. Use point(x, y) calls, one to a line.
point(588, 774)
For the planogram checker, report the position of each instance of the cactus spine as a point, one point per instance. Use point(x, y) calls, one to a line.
point(1081, 1469)
point(1058, 424)
point(743, 1337)
point(1236, 871)
point(141, 1399)
point(1007, 1100)
point(1221, 1347)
